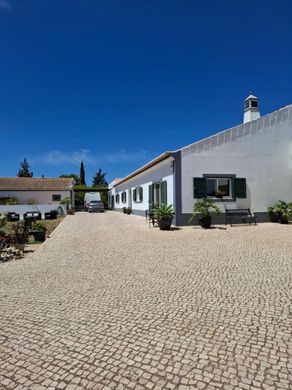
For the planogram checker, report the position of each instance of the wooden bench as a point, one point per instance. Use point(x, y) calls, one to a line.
point(244, 214)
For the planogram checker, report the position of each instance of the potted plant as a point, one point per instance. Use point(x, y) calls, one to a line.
point(164, 214)
point(124, 210)
point(219, 194)
point(19, 237)
point(272, 214)
point(283, 211)
point(203, 210)
point(128, 210)
point(39, 231)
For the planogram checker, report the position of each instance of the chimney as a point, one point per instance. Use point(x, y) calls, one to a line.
point(251, 109)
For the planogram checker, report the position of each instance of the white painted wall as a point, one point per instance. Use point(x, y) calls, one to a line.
point(162, 171)
point(260, 151)
point(40, 197)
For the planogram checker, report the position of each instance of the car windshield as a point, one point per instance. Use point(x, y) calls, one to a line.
point(95, 202)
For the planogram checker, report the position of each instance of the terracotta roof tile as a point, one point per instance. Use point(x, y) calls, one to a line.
point(35, 184)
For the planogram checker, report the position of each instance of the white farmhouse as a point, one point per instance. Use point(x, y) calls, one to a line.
point(249, 165)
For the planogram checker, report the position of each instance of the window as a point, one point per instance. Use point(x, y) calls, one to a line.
point(56, 198)
point(218, 187)
point(254, 103)
point(157, 194)
point(124, 197)
point(138, 194)
point(117, 198)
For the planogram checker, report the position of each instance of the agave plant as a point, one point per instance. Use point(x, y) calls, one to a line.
point(164, 211)
point(204, 211)
point(164, 214)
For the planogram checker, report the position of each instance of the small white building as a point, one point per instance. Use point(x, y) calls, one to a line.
point(249, 165)
point(28, 190)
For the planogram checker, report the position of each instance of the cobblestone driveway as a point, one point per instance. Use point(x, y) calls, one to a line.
point(108, 303)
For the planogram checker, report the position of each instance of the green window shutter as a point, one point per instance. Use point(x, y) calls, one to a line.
point(239, 187)
point(135, 195)
point(150, 198)
point(199, 187)
point(163, 192)
point(141, 194)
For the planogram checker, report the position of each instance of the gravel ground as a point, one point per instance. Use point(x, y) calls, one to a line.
point(108, 303)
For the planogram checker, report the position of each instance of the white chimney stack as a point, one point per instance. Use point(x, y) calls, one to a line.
point(251, 109)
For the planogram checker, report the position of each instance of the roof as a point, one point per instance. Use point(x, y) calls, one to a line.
point(150, 164)
point(251, 96)
point(165, 155)
point(35, 184)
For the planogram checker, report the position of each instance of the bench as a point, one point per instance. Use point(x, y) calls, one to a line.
point(244, 214)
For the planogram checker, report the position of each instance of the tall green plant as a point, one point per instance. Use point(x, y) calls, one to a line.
point(82, 174)
point(205, 208)
point(99, 179)
point(24, 170)
point(283, 210)
point(164, 211)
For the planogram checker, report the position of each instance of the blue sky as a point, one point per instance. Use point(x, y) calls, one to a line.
point(116, 83)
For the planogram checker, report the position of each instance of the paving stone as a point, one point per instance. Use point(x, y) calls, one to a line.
point(110, 304)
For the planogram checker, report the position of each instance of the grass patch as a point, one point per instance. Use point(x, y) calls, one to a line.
point(50, 224)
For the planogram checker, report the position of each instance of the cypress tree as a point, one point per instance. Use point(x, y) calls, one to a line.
point(82, 174)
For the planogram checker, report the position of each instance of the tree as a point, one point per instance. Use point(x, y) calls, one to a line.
point(99, 179)
point(82, 174)
point(73, 176)
point(24, 169)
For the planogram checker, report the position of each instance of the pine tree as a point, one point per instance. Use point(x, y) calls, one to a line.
point(24, 169)
point(99, 179)
point(82, 174)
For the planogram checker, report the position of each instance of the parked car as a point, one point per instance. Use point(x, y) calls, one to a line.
point(90, 197)
point(95, 206)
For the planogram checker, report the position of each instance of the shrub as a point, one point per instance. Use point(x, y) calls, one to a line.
point(31, 201)
point(39, 226)
point(11, 201)
point(71, 211)
point(205, 208)
point(283, 210)
point(19, 235)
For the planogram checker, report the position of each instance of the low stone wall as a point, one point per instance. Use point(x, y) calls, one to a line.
point(22, 209)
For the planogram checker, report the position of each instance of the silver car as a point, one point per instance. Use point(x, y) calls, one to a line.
point(95, 206)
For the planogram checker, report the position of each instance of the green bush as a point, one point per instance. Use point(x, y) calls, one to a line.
point(11, 201)
point(39, 226)
point(283, 210)
point(205, 208)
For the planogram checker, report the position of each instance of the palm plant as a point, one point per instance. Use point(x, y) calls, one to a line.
point(164, 214)
point(164, 211)
point(204, 211)
point(283, 210)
